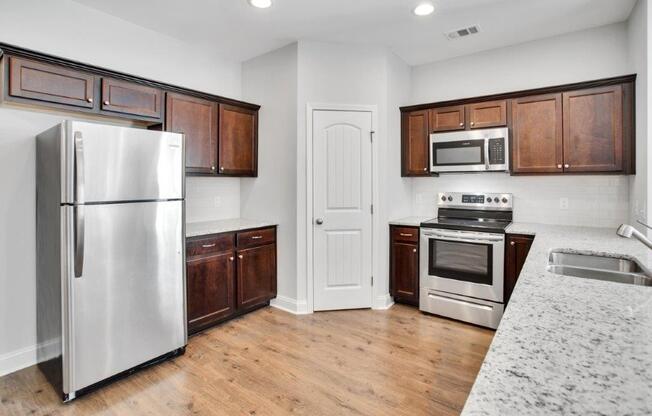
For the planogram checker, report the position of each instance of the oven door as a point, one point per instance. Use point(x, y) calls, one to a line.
point(457, 154)
point(463, 263)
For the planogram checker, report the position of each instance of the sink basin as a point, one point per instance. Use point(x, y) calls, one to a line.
point(597, 267)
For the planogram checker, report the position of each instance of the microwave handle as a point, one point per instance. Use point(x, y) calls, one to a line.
point(486, 153)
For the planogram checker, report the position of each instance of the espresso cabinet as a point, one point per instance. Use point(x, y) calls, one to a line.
point(593, 130)
point(129, 98)
point(197, 120)
point(537, 143)
point(414, 143)
point(516, 250)
point(447, 118)
point(404, 264)
point(238, 141)
point(229, 274)
point(50, 83)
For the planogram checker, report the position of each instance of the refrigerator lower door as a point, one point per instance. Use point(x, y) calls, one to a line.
point(128, 305)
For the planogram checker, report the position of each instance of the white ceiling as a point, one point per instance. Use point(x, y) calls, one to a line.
point(237, 31)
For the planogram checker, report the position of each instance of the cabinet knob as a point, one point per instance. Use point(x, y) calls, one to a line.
point(106, 102)
point(89, 99)
point(512, 243)
point(473, 123)
point(425, 169)
point(240, 256)
point(559, 166)
point(461, 124)
point(221, 168)
point(414, 250)
point(212, 167)
point(231, 258)
point(567, 166)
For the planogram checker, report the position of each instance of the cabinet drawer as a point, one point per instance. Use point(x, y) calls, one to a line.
point(210, 244)
point(410, 234)
point(256, 237)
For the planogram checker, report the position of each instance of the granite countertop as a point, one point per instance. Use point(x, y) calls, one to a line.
point(410, 221)
point(194, 229)
point(568, 345)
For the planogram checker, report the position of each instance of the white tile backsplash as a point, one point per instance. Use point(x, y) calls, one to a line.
point(210, 199)
point(598, 201)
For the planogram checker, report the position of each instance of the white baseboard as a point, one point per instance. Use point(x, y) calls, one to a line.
point(383, 302)
point(28, 356)
point(290, 305)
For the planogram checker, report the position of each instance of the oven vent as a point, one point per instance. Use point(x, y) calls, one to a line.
point(460, 33)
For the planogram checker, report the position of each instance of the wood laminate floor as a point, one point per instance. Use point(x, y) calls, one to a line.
point(364, 362)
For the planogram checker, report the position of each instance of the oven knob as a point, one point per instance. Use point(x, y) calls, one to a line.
point(450, 198)
point(496, 200)
point(443, 197)
point(505, 200)
point(488, 200)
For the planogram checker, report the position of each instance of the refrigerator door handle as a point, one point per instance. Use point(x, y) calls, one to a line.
point(79, 207)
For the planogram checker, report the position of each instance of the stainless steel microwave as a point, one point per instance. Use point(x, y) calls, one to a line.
point(484, 150)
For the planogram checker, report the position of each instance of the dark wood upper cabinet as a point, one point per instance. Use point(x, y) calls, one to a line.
point(210, 289)
point(238, 141)
point(537, 143)
point(593, 130)
point(447, 118)
point(404, 264)
point(516, 250)
point(130, 98)
point(256, 275)
point(487, 114)
point(414, 143)
point(50, 83)
point(197, 120)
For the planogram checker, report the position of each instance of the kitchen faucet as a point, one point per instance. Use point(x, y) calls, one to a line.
point(628, 231)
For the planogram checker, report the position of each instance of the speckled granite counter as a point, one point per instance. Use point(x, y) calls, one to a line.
point(410, 221)
point(568, 345)
point(194, 229)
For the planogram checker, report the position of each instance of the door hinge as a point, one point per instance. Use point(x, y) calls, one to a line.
point(371, 136)
point(372, 209)
point(372, 280)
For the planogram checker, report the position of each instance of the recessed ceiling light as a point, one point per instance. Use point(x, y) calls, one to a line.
point(261, 4)
point(424, 9)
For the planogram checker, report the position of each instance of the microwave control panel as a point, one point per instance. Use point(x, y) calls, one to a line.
point(497, 151)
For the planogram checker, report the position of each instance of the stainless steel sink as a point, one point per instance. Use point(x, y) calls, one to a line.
point(598, 267)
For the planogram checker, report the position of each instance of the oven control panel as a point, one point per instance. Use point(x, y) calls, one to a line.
point(473, 200)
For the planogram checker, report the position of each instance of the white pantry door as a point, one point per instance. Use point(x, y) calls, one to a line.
point(342, 222)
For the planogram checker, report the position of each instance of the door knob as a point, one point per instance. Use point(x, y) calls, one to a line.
point(319, 221)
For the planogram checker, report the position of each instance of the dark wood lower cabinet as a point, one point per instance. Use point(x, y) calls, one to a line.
point(225, 279)
point(404, 264)
point(517, 248)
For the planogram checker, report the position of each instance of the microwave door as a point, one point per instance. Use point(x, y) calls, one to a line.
point(458, 155)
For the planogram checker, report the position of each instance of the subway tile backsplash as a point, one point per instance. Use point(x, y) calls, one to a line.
point(595, 201)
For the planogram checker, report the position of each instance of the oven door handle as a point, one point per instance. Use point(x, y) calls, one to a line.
point(464, 238)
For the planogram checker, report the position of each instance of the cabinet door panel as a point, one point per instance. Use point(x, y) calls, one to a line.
point(210, 282)
point(447, 118)
point(238, 141)
point(487, 114)
point(129, 98)
point(256, 275)
point(593, 130)
point(516, 251)
point(51, 83)
point(537, 145)
point(404, 273)
point(197, 119)
point(415, 141)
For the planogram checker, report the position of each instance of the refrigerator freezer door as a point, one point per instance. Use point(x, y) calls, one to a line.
point(121, 164)
point(128, 306)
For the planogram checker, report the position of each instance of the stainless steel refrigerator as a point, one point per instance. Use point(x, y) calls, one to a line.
point(110, 223)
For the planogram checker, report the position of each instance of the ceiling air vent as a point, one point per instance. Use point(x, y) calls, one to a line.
point(460, 33)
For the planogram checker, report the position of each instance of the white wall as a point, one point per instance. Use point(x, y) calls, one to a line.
point(67, 29)
point(581, 56)
point(271, 81)
point(638, 60)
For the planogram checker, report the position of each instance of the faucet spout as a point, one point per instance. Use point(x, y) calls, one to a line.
point(627, 231)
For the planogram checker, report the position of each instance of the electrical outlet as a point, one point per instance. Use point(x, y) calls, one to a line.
point(217, 202)
point(563, 203)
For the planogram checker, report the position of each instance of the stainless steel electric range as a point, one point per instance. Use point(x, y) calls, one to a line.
point(462, 257)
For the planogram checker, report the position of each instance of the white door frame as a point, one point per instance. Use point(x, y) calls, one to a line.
point(375, 230)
